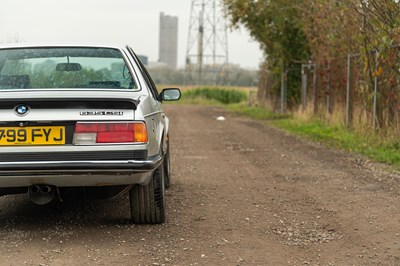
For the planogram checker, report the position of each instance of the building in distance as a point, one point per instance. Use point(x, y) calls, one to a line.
point(168, 42)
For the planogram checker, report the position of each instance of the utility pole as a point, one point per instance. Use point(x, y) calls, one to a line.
point(208, 33)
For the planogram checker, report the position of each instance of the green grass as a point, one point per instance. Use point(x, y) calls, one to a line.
point(374, 147)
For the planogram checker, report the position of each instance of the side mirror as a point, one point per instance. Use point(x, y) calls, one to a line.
point(170, 94)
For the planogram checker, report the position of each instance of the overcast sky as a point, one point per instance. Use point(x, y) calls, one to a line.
point(130, 22)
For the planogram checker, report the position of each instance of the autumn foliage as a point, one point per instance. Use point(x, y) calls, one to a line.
point(326, 32)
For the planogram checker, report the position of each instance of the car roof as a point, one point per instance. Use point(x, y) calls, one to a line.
point(54, 45)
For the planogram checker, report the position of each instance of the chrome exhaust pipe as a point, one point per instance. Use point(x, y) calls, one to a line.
point(34, 189)
point(45, 189)
point(41, 194)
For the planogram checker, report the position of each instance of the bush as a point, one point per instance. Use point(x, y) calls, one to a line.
point(220, 95)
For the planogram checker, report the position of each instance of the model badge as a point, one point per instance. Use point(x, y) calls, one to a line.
point(102, 113)
point(21, 109)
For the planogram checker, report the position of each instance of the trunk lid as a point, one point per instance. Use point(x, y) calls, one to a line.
point(67, 105)
point(49, 117)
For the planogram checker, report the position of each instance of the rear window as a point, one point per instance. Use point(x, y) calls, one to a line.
point(41, 68)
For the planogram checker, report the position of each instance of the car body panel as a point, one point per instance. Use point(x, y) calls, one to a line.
point(145, 107)
point(65, 114)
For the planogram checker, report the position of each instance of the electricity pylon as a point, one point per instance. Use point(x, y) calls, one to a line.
point(207, 47)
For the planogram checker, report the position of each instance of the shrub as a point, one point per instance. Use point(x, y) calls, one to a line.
point(221, 95)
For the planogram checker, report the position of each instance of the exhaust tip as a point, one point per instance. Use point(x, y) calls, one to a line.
point(41, 194)
point(45, 189)
point(34, 189)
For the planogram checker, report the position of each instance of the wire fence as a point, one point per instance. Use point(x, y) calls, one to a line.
point(361, 91)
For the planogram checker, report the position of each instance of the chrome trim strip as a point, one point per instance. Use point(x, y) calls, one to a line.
point(82, 162)
point(116, 166)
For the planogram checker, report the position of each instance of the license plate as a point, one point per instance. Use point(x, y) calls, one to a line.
point(32, 135)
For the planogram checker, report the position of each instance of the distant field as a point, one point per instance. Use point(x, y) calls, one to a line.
point(185, 88)
point(216, 94)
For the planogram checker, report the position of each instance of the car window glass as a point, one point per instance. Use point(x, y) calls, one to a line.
point(64, 68)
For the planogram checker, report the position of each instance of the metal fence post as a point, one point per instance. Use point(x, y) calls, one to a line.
point(348, 90)
point(315, 98)
point(303, 88)
point(282, 90)
point(375, 92)
point(328, 96)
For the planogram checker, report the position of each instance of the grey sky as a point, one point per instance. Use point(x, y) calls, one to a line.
point(130, 22)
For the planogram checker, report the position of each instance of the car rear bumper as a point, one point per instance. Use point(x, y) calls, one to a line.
point(78, 173)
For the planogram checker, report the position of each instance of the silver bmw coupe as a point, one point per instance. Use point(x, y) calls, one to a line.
point(87, 117)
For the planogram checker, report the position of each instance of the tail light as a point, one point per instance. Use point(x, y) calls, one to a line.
point(107, 132)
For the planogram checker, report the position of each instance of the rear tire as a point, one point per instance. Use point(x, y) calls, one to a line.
point(148, 202)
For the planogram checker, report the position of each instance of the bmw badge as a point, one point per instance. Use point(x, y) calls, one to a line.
point(21, 109)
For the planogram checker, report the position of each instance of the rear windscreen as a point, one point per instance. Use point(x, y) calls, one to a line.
point(41, 68)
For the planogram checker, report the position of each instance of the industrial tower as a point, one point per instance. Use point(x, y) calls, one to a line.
point(207, 47)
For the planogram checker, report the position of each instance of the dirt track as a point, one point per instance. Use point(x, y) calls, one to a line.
point(242, 194)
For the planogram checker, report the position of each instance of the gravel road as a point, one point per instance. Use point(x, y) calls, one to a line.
point(242, 193)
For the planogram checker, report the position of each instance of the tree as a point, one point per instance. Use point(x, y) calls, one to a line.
point(326, 31)
point(277, 26)
point(369, 28)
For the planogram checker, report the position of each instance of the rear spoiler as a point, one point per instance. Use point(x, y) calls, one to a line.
point(72, 103)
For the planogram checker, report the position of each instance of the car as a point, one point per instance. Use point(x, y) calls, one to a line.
point(86, 117)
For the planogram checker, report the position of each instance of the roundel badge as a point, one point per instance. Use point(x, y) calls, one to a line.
point(21, 109)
